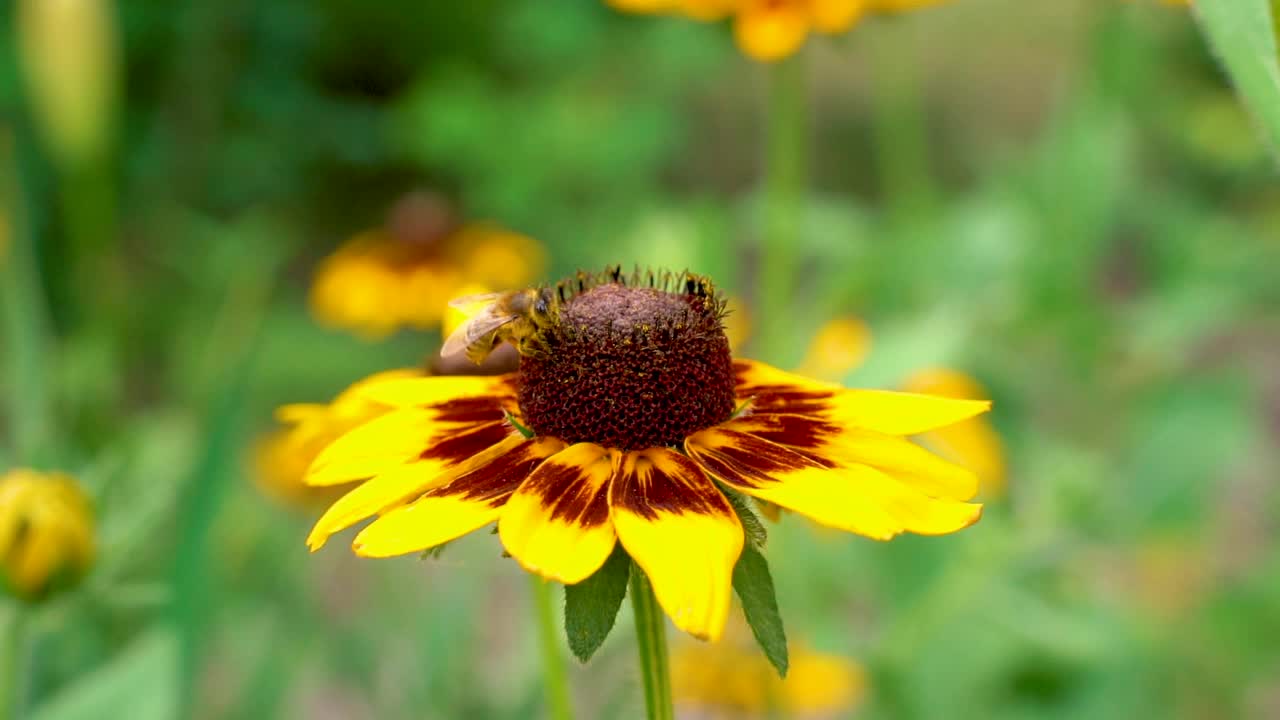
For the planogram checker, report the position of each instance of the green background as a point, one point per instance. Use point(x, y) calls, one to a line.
point(1064, 199)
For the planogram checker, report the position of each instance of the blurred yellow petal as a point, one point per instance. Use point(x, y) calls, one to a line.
point(902, 5)
point(838, 347)
point(732, 677)
point(644, 6)
point(471, 499)
point(770, 30)
point(709, 10)
point(831, 491)
point(557, 524)
point(498, 258)
point(682, 532)
point(973, 443)
point(836, 16)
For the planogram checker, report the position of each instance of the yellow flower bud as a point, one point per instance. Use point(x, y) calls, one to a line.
point(70, 63)
point(46, 532)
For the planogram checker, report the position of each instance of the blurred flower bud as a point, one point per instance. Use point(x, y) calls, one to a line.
point(70, 63)
point(46, 532)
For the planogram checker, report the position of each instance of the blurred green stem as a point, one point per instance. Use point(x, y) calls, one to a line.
point(88, 207)
point(26, 325)
point(900, 133)
point(553, 675)
point(13, 646)
point(651, 637)
point(786, 170)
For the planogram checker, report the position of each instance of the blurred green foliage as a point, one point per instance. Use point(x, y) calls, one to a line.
point(1064, 199)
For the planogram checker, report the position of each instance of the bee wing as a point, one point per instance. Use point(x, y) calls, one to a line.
point(488, 320)
point(475, 304)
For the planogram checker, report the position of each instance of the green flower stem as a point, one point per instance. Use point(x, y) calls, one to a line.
point(651, 637)
point(26, 324)
point(900, 132)
point(786, 168)
point(553, 675)
point(13, 647)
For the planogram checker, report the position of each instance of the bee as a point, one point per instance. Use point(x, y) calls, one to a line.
point(516, 316)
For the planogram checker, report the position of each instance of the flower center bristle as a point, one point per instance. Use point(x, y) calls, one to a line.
point(631, 363)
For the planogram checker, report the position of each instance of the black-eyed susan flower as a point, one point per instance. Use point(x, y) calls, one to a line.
point(973, 443)
point(46, 532)
point(404, 275)
point(730, 680)
point(628, 422)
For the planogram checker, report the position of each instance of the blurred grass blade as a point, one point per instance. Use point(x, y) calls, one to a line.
point(26, 324)
point(138, 684)
point(1243, 35)
point(234, 339)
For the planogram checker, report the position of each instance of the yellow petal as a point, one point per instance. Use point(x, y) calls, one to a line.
point(437, 392)
point(833, 492)
point(682, 532)
point(836, 16)
point(973, 443)
point(400, 437)
point(821, 439)
point(468, 502)
point(557, 524)
point(770, 30)
point(771, 390)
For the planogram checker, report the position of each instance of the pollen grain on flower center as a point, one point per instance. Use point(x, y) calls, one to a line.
point(630, 368)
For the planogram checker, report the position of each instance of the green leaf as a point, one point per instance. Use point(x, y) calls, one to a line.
point(755, 530)
point(140, 684)
point(754, 585)
point(1243, 34)
point(591, 606)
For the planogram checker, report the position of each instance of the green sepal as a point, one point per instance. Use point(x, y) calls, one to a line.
point(591, 606)
point(754, 585)
point(526, 432)
point(752, 525)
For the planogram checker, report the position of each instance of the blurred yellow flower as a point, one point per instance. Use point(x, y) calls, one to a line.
point(46, 532)
point(386, 279)
point(770, 30)
point(733, 680)
point(281, 457)
point(973, 443)
point(70, 62)
point(696, 9)
point(838, 347)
